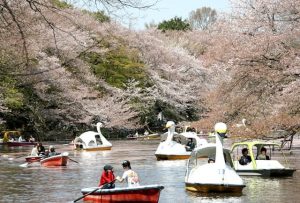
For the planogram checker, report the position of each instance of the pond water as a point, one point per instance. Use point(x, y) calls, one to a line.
point(39, 184)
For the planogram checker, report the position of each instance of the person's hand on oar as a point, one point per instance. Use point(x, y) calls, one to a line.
point(94, 191)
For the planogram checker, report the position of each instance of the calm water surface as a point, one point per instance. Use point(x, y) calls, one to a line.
point(39, 184)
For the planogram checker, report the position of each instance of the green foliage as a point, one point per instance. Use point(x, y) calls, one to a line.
point(13, 97)
point(175, 23)
point(117, 67)
point(100, 16)
point(61, 4)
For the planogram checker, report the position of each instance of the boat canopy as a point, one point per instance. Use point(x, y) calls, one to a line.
point(258, 143)
point(209, 151)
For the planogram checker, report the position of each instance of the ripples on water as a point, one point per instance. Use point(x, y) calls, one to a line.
point(39, 184)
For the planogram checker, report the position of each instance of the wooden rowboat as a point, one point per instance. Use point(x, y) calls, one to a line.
point(19, 144)
point(58, 160)
point(30, 159)
point(147, 193)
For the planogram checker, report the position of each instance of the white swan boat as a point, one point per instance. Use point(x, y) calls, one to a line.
point(218, 176)
point(172, 150)
point(92, 141)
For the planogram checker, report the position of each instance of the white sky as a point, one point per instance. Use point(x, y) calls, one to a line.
point(167, 9)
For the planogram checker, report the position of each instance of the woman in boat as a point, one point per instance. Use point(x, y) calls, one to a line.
point(41, 149)
point(245, 159)
point(107, 178)
point(263, 155)
point(129, 175)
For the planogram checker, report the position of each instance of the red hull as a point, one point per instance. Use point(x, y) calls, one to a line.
point(58, 160)
point(148, 194)
point(31, 159)
point(18, 144)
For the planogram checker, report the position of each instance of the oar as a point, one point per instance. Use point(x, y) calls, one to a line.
point(93, 191)
point(73, 160)
point(26, 164)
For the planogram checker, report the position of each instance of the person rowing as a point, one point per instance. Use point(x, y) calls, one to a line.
point(107, 177)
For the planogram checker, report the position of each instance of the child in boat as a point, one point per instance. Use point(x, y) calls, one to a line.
point(107, 178)
point(129, 175)
point(263, 155)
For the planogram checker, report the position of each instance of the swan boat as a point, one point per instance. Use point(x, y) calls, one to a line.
point(147, 193)
point(92, 141)
point(172, 150)
point(218, 176)
point(57, 160)
point(267, 168)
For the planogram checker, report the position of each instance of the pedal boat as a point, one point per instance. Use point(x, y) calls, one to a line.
point(266, 168)
point(92, 141)
point(219, 176)
point(30, 159)
point(172, 150)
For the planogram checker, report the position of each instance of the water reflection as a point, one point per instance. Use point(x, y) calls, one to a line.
point(39, 184)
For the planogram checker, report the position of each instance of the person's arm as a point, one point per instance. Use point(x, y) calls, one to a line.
point(123, 177)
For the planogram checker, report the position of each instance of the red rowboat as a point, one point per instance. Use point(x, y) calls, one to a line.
point(31, 159)
point(18, 144)
point(147, 193)
point(58, 160)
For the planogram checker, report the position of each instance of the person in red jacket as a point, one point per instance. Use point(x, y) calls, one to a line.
point(107, 178)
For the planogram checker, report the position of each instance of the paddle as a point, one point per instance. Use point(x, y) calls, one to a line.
point(93, 191)
point(26, 164)
point(73, 160)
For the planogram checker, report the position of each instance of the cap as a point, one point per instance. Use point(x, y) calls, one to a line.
point(107, 167)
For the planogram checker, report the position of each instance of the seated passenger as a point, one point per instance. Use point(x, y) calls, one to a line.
point(31, 139)
point(263, 155)
point(52, 151)
point(190, 145)
point(245, 159)
point(107, 178)
point(34, 151)
point(41, 149)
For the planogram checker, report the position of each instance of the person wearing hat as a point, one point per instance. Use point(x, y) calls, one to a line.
point(52, 151)
point(129, 175)
point(107, 178)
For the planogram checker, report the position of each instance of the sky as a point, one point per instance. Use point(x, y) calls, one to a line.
point(167, 9)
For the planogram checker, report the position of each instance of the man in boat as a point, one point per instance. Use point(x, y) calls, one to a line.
point(107, 178)
point(129, 175)
point(52, 151)
point(263, 154)
point(245, 159)
point(190, 145)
